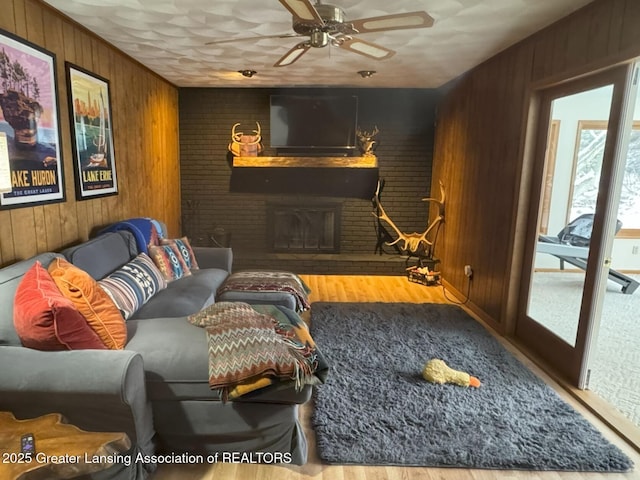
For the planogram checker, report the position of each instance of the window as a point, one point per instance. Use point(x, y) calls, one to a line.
point(586, 176)
point(550, 160)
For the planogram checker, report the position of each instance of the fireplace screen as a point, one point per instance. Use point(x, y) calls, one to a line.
point(304, 229)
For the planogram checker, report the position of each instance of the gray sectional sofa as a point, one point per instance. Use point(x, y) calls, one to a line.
point(156, 389)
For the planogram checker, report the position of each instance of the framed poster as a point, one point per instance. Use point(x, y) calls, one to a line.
point(92, 134)
point(29, 125)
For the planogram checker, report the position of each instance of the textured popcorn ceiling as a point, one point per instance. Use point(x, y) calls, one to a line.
point(170, 36)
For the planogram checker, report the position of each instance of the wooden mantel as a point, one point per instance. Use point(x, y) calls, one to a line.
point(353, 177)
point(370, 161)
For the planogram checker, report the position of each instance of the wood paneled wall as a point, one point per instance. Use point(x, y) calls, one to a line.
point(481, 150)
point(145, 122)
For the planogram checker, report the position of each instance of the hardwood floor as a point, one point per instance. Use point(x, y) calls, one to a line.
point(338, 288)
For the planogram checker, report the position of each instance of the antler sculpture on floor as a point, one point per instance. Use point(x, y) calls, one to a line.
point(414, 243)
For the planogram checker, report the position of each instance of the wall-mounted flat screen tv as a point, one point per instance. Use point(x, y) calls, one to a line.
point(314, 124)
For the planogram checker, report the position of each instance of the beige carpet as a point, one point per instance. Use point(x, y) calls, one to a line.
point(615, 371)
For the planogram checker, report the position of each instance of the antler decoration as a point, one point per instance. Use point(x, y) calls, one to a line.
point(411, 242)
point(240, 137)
point(245, 145)
point(366, 140)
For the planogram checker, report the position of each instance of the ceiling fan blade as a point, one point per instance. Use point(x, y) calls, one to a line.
point(397, 21)
point(255, 38)
point(292, 55)
point(303, 10)
point(367, 49)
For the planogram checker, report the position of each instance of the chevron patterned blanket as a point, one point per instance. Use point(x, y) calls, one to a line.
point(252, 347)
point(269, 281)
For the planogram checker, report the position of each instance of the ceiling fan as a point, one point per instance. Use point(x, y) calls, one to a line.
point(326, 24)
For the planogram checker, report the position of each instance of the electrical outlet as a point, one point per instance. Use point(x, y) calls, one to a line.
point(468, 271)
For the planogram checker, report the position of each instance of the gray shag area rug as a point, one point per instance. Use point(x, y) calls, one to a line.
point(376, 409)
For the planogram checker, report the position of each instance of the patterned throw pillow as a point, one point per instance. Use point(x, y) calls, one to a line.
point(92, 302)
point(184, 247)
point(45, 319)
point(169, 262)
point(133, 284)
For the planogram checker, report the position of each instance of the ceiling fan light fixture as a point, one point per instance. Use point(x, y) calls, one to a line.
point(247, 73)
point(319, 39)
point(325, 24)
point(366, 73)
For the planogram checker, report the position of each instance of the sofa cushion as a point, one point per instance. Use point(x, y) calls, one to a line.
point(92, 302)
point(133, 284)
point(176, 358)
point(47, 320)
point(169, 262)
point(10, 278)
point(103, 254)
point(184, 248)
point(185, 296)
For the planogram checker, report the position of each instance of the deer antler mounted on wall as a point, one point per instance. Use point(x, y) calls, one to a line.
point(414, 243)
point(367, 140)
point(243, 145)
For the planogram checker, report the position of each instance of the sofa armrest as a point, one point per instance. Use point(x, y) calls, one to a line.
point(95, 390)
point(214, 257)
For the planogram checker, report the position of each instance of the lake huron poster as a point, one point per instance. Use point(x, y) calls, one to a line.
point(29, 120)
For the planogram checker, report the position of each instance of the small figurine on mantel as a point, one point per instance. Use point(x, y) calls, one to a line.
point(243, 145)
point(366, 141)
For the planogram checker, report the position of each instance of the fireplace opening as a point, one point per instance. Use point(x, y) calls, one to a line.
point(304, 229)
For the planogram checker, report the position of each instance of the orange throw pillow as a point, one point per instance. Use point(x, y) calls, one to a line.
point(46, 320)
point(92, 302)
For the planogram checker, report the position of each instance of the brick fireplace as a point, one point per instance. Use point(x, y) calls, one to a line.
point(405, 119)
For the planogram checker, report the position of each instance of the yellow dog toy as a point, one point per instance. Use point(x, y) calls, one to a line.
point(436, 371)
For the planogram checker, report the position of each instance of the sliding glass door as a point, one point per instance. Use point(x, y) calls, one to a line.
point(613, 361)
point(576, 182)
